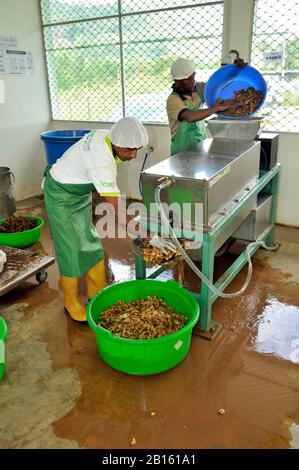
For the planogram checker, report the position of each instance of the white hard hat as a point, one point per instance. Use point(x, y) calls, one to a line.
point(129, 132)
point(182, 68)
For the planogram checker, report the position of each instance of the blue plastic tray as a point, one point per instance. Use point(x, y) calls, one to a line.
point(230, 78)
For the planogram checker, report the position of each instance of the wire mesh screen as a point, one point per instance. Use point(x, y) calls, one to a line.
point(58, 11)
point(84, 69)
point(109, 59)
point(129, 6)
point(152, 41)
point(275, 52)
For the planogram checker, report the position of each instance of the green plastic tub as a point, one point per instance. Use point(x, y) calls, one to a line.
point(149, 356)
point(23, 239)
point(3, 335)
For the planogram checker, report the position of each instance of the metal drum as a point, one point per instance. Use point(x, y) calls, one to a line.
point(7, 200)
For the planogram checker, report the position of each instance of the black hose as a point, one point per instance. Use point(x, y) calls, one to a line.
point(142, 168)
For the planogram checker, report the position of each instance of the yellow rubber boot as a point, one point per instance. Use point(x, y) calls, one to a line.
point(96, 279)
point(72, 303)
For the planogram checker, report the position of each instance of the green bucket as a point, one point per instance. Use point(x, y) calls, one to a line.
point(3, 335)
point(23, 239)
point(148, 356)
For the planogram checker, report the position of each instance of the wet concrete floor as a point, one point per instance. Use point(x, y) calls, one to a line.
point(58, 392)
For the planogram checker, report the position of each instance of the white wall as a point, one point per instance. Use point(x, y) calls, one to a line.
point(237, 28)
point(288, 201)
point(25, 112)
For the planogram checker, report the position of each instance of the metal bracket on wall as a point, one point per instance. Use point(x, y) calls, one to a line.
point(234, 51)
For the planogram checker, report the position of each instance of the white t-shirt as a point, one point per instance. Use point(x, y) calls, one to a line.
point(90, 160)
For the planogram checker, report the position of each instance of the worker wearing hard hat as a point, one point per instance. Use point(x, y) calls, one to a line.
point(89, 164)
point(184, 108)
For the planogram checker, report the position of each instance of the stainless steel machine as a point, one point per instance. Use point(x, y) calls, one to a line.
point(219, 173)
point(223, 175)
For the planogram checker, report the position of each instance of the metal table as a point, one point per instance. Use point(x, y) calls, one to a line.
point(21, 265)
point(267, 184)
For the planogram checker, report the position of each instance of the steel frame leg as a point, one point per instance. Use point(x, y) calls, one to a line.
point(140, 267)
point(205, 327)
point(208, 251)
point(270, 240)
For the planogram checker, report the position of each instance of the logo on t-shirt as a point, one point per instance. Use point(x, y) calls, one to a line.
point(107, 184)
point(88, 140)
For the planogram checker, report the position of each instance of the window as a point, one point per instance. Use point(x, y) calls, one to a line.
point(275, 52)
point(109, 59)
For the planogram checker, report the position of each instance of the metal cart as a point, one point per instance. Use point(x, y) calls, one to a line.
point(21, 265)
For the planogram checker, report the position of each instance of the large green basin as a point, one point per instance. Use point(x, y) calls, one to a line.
point(23, 239)
point(151, 356)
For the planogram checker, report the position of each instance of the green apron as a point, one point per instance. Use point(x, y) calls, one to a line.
point(188, 134)
point(77, 244)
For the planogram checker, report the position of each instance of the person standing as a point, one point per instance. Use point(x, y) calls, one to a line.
point(89, 164)
point(184, 108)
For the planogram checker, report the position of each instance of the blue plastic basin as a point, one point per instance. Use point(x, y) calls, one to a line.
point(230, 78)
point(57, 142)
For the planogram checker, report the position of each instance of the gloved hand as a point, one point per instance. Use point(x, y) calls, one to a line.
point(164, 244)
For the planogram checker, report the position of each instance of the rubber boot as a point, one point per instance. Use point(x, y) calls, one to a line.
point(72, 303)
point(96, 279)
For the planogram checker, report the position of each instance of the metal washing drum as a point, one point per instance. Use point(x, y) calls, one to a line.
point(7, 201)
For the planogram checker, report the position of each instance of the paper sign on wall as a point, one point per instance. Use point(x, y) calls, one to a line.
point(19, 62)
point(30, 66)
point(2, 92)
point(276, 56)
point(8, 42)
point(2, 61)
